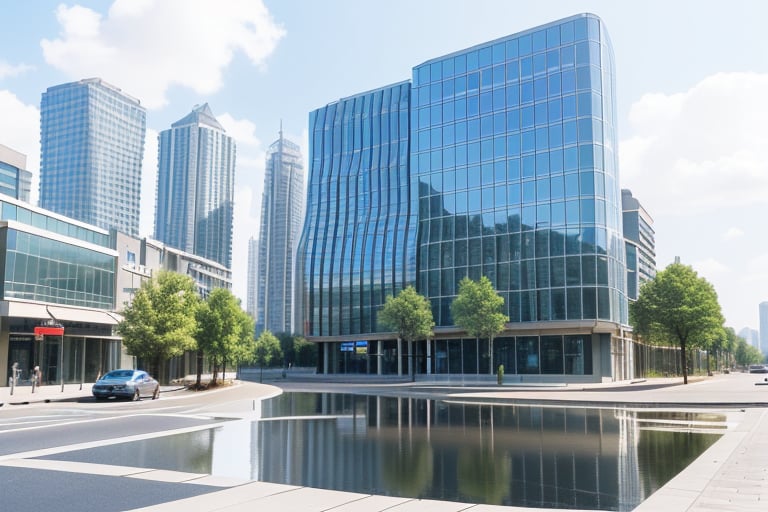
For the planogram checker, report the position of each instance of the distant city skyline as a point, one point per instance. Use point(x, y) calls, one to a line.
point(690, 105)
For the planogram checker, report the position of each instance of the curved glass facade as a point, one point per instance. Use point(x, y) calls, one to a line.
point(514, 158)
point(358, 242)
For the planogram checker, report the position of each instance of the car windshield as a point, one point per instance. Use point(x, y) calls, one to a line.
point(119, 374)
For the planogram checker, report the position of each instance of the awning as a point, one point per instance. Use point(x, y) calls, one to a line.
point(23, 310)
point(82, 315)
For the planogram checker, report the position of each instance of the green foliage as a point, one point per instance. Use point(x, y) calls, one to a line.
point(410, 314)
point(305, 351)
point(286, 346)
point(745, 354)
point(267, 349)
point(225, 331)
point(160, 321)
point(678, 305)
point(478, 308)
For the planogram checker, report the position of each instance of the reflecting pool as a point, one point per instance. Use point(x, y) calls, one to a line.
point(556, 457)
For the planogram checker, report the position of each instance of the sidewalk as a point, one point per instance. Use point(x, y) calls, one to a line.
point(24, 395)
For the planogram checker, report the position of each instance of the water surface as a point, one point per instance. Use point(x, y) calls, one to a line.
point(555, 457)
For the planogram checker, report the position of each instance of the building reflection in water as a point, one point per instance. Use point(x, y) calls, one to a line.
point(531, 456)
point(563, 457)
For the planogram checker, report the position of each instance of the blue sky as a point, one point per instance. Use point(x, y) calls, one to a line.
point(692, 78)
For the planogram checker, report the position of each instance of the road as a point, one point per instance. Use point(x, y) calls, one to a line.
point(34, 433)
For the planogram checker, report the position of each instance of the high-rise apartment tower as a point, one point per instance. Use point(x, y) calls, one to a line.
point(195, 187)
point(91, 150)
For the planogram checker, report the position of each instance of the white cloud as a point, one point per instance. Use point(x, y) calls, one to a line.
point(20, 131)
point(145, 47)
point(699, 150)
point(7, 70)
point(242, 130)
point(710, 267)
point(733, 233)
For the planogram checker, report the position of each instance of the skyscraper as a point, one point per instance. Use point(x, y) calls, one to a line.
point(91, 149)
point(499, 161)
point(195, 187)
point(764, 328)
point(281, 217)
point(253, 276)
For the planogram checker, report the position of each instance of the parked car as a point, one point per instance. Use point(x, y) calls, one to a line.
point(131, 384)
point(758, 368)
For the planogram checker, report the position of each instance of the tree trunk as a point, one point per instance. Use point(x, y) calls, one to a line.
point(199, 368)
point(157, 369)
point(490, 355)
point(684, 361)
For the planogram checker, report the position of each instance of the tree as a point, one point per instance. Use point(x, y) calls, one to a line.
point(225, 332)
point(306, 352)
point(678, 304)
point(160, 321)
point(478, 310)
point(286, 346)
point(410, 314)
point(745, 354)
point(267, 349)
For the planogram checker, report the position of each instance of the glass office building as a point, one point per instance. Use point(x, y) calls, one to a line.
point(196, 187)
point(56, 270)
point(512, 174)
point(91, 150)
point(358, 241)
point(282, 206)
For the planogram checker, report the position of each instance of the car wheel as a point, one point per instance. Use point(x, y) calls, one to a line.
point(156, 394)
point(136, 396)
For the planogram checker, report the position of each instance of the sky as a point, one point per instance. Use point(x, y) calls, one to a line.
point(692, 95)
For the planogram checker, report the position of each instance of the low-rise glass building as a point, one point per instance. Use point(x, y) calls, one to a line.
point(58, 271)
point(505, 167)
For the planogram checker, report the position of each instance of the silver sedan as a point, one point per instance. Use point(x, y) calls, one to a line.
point(131, 384)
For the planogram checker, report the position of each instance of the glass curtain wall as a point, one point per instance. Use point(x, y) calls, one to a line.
point(513, 155)
point(358, 242)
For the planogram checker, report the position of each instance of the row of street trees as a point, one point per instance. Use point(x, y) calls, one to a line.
point(677, 307)
point(477, 309)
point(167, 318)
point(680, 307)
